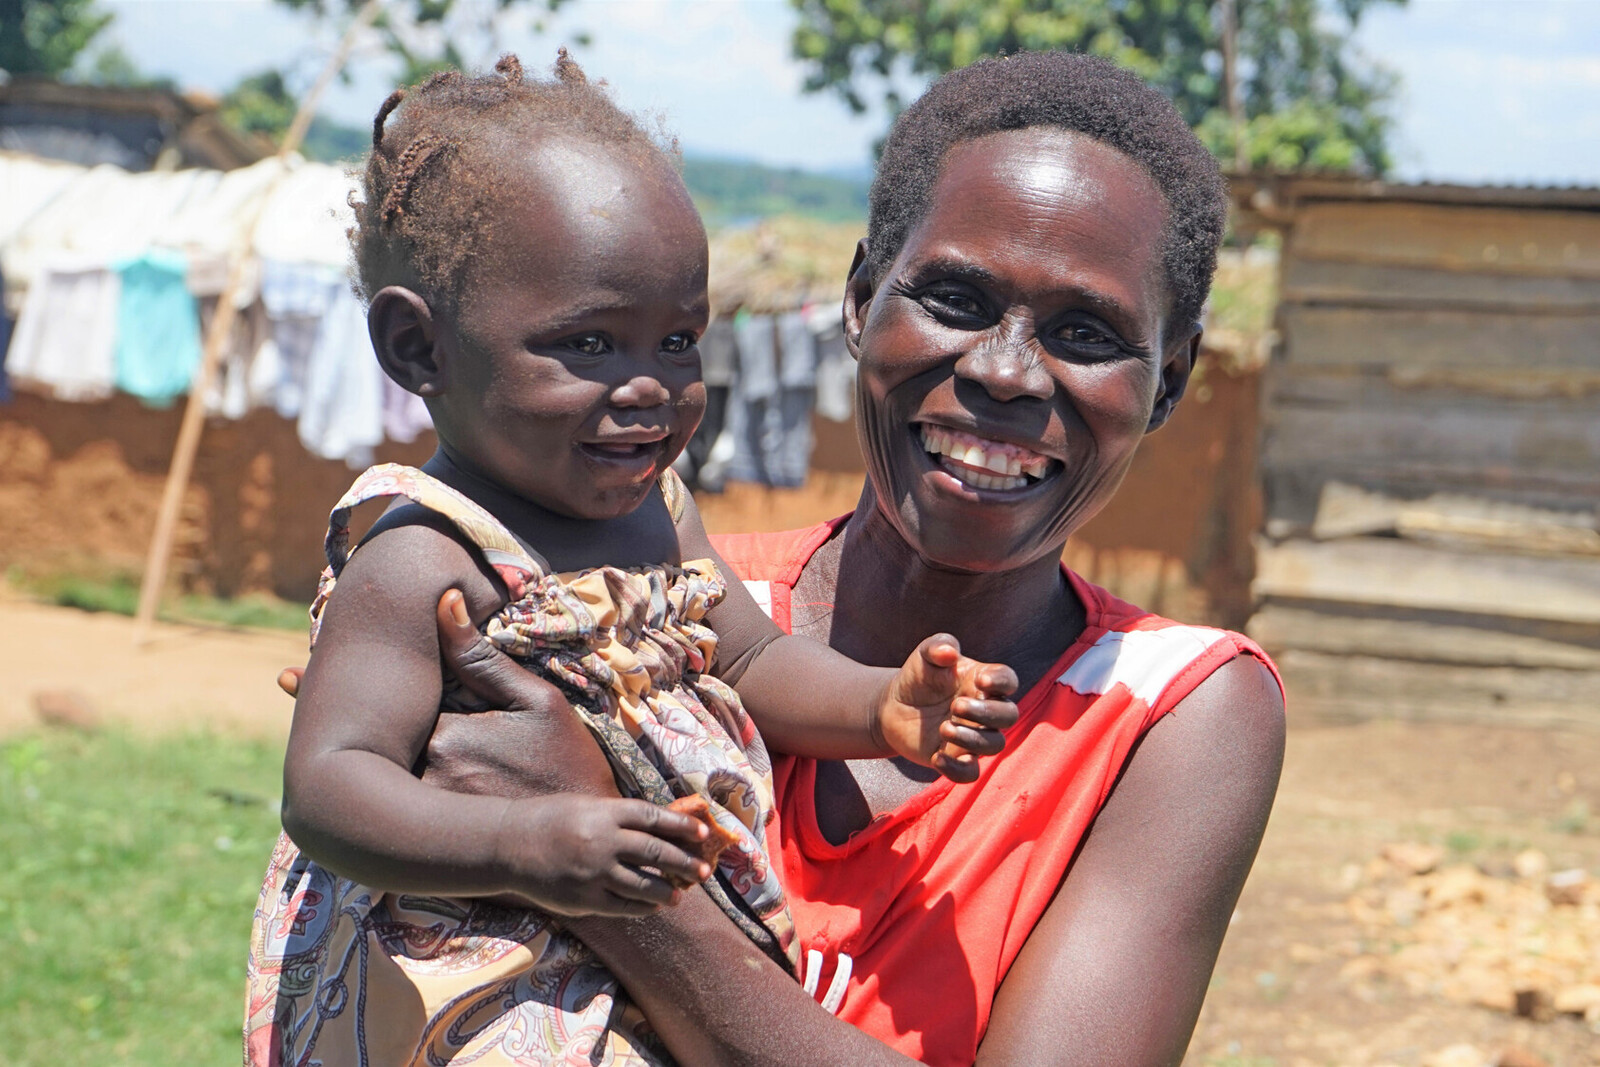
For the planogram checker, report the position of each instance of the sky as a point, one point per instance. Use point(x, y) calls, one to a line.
point(1491, 91)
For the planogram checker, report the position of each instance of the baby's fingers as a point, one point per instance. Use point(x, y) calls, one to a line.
point(960, 738)
point(941, 650)
point(988, 714)
point(676, 866)
point(635, 887)
point(957, 768)
point(657, 821)
point(989, 679)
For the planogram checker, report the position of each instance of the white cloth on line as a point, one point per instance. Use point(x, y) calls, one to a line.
point(341, 413)
point(66, 338)
point(405, 415)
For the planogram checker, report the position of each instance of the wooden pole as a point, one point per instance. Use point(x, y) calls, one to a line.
point(1230, 82)
point(217, 336)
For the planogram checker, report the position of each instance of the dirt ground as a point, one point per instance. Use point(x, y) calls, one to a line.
point(185, 676)
point(1285, 994)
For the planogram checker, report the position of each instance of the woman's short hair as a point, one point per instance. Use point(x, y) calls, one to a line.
point(1079, 93)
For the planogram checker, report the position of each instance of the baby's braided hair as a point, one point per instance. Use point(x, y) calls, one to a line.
point(426, 194)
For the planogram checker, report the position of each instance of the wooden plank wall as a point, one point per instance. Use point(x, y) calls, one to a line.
point(1441, 360)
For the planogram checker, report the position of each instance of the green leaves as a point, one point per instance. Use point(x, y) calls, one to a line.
point(46, 36)
point(1309, 100)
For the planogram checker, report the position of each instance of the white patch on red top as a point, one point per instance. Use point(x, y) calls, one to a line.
point(762, 591)
point(1146, 661)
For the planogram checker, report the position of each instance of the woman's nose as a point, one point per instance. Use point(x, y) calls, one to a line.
point(641, 391)
point(1008, 366)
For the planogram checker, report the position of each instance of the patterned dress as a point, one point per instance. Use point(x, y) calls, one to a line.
point(341, 974)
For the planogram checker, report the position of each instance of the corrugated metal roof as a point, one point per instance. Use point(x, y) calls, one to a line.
point(1266, 194)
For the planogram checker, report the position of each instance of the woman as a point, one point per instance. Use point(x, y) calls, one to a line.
point(1024, 309)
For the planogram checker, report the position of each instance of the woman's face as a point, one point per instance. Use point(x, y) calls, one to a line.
point(1017, 349)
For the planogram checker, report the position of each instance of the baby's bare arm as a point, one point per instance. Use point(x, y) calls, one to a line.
point(809, 700)
point(365, 709)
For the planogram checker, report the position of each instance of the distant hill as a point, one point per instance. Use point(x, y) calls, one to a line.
point(729, 191)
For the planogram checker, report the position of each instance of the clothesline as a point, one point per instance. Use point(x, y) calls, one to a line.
point(115, 274)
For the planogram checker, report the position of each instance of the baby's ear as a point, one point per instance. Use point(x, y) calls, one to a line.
point(405, 337)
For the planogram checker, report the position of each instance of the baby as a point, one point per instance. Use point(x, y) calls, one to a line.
point(536, 271)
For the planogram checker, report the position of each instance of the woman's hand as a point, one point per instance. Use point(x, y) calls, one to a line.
point(494, 753)
point(944, 710)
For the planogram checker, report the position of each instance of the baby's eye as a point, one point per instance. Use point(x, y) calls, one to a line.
point(678, 342)
point(590, 344)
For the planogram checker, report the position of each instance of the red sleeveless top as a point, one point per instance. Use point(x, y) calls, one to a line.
point(911, 925)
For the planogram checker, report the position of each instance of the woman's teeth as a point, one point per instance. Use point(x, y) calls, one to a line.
point(984, 464)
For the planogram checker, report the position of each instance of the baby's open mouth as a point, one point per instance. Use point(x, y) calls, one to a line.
point(981, 463)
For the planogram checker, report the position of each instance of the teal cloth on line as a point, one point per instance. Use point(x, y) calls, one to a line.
point(158, 327)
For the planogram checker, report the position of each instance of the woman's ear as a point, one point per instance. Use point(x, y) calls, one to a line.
point(857, 299)
point(1176, 368)
point(405, 336)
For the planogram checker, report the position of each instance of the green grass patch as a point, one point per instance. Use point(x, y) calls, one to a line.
point(132, 869)
point(119, 594)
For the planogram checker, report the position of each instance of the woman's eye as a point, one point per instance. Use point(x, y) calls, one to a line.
point(1085, 335)
point(954, 304)
point(1089, 340)
point(678, 342)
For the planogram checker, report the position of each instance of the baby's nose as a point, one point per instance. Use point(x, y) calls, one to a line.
point(640, 391)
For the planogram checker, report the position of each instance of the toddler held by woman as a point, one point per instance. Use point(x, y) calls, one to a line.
point(536, 272)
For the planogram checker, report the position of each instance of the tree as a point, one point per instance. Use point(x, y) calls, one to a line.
point(262, 104)
point(45, 37)
point(425, 35)
point(1303, 97)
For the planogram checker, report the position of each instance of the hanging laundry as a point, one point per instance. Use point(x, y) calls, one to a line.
point(798, 351)
point(719, 353)
point(836, 372)
point(789, 441)
point(248, 372)
point(66, 337)
point(158, 327)
point(405, 414)
point(758, 355)
point(5, 342)
point(341, 412)
point(296, 296)
point(769, 421)
point(752, 395)
point(719, 361)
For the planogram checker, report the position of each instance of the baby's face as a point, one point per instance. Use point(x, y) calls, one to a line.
point(576, 378)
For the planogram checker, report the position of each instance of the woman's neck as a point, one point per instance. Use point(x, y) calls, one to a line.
point(1025, 617)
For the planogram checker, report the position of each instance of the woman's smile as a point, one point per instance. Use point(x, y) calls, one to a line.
point(975, 462)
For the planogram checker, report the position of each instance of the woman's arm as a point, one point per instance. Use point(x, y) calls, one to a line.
point(1116, 970)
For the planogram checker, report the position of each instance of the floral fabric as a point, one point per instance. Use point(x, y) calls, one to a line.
point(341, 973)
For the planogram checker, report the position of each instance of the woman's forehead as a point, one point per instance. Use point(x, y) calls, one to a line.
point(1047, 203)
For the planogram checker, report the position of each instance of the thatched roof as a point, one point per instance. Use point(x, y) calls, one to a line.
point(781, 263)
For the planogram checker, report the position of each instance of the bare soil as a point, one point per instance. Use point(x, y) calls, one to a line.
point(1285, 993)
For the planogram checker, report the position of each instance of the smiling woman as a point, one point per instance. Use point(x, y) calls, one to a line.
point(1024, 310)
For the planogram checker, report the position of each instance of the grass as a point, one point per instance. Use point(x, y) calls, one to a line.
point(119, 594)
point(132, 868)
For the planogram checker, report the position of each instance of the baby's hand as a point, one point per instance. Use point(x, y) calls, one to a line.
point(582, 855)
point(945, 710)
